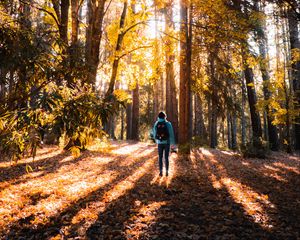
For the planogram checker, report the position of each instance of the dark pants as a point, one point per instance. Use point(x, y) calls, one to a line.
point(163, 148)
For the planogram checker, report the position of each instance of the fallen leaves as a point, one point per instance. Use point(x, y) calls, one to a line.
point(117, 194)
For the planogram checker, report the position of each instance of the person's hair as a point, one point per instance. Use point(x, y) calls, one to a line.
point(162, 115)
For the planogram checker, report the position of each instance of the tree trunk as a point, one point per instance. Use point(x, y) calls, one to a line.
point(135, 112)
point(229, 140)
point(233, 130)
point(117, 50)
point(122, 124)
point(255, 118)
point(171, 91)
point(93, 37)
point(184, 95)
point(213, 115)
point(65, 5)
point(74, 35)
point(213, 125)
point(270, 128)
point(200, 129)
point(295, 73)
point(243, 117)
point(129, 121)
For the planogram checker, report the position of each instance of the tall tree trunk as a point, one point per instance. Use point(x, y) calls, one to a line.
point(234, 130)
point(135, 112)
point(200, 129)
point(93, 37)
point(214, 111)
point(184, 95)
point(243, 117)
point(117, 50)
point(129, 121)
point(74, 35)
point(64, 5)
point(122, 124)
point(189, 38)
point(229, 130)
point(295, 73)
point(171, 90)
point(255, 118)
point(264, 68)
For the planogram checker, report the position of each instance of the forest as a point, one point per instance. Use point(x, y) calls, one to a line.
point(81, 86)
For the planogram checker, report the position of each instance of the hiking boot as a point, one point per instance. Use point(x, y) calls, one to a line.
point(160, 174)
point(167, 174)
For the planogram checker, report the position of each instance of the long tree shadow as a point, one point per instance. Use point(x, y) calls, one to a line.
point(190, 208)
point(63, 219)
point(272, 200)
point(16, 171)
point(14, 174)
point(197, 202)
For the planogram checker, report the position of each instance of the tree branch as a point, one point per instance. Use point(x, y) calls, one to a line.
point(132, 50)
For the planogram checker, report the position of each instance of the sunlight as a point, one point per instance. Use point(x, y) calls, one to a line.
point(118, 190)
point(253, 203)
point(206, 152)
point(42, 154)
point(143, 218)
point(229, 153)
point(55, 191)
point(128, 183)
point(289, 168)
point(127, 149)
point(132, 158)
point(172, 172)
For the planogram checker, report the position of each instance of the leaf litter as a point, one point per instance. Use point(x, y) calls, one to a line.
point(118, 194)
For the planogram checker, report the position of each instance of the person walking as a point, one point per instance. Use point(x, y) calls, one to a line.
point(164, 137)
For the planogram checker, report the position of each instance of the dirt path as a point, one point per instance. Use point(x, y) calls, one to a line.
point(117, 194)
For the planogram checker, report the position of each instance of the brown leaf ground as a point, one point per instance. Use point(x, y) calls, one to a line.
point(117, 194)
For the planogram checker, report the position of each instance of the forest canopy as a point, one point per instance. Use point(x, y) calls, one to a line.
point(226, 72)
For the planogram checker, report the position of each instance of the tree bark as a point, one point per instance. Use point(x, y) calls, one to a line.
point(118, 48)
point(135, 112)
point(255, 118)
point(93, 38)
point(129, 121)
point(171, 91)
point(295, 73)
point(264, 68)
point(243, 117)
point(184, 95)
point(229, 140)
point(214, 111)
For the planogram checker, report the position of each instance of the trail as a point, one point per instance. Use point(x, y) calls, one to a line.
point(117, 194)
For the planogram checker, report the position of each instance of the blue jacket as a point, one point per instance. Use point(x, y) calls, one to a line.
point(171, 139)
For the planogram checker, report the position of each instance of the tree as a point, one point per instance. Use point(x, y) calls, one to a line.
point(185, 74)
point(171, 93)
point(96, 11)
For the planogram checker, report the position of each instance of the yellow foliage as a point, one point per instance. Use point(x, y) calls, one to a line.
point(121, 95)
point(75, 151)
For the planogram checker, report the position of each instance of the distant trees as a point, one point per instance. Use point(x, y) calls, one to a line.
point(219, 74)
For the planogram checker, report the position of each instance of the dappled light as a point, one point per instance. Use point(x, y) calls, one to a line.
point(149, 119)
point(253, 203)
point(120, 194)
point(145, 215)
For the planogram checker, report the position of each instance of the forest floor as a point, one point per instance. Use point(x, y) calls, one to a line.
point(117, 194)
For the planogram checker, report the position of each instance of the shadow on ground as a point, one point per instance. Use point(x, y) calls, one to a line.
point(209, 195)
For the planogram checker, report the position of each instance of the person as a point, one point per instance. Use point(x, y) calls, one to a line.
point(164, 137)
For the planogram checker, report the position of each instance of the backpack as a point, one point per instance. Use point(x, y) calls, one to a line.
point(162, 132)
